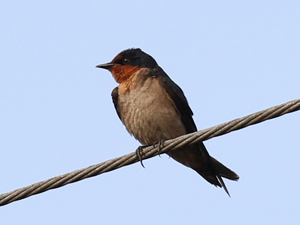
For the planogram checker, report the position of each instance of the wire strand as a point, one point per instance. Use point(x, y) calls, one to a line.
point(149, 152)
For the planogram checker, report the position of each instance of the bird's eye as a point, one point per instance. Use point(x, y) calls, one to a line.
point(126, 60)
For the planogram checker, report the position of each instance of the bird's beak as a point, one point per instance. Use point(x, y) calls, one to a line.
point(106, 65)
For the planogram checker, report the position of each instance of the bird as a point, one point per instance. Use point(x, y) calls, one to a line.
point(153, 109)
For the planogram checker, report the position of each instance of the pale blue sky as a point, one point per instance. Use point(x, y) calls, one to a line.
point(231, 58)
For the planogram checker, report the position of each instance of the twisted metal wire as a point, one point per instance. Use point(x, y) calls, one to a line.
point(150, 151)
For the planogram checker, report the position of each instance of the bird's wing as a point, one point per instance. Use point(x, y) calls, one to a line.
point(115, 97)
point(177, 95)
point(207, 167)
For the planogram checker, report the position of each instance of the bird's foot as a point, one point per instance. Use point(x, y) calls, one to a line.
point(160, 144)
point(139, 153)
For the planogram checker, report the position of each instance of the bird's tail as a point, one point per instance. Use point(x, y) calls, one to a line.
point(223, 170)
point(197, 158)
point(215, 173)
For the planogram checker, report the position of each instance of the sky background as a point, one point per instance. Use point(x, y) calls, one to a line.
point(231, 58)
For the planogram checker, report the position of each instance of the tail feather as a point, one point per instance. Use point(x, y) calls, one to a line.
point(197, 158)
point(224, 171)
point(215, 172)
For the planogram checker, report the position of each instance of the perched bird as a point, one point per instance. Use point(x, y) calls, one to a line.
point(153, 108)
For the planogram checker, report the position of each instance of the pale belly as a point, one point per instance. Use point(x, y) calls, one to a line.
point(149, 114)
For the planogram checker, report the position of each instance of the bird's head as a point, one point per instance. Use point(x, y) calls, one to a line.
point(127, 62)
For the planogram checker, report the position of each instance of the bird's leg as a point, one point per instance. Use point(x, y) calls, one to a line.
point(160, 144)
point(139, 153)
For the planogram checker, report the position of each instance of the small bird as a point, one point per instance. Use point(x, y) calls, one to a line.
point(153, 109)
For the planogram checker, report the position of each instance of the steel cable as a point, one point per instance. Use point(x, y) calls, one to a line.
point(150, 151)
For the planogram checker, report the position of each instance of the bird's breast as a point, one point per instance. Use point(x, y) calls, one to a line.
point(149, 113)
